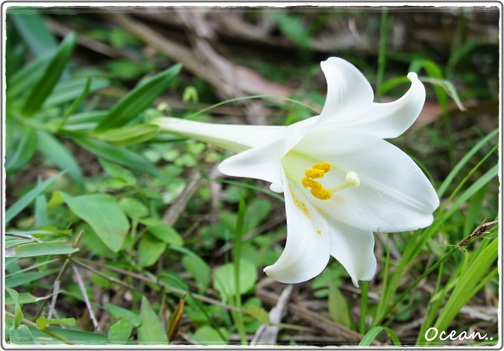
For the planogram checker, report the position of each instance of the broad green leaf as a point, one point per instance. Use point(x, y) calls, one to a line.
point(119, 332)
point(149, 250)
point(162, 231)
point(118, 172)
point(133, 208)
point(207, 335)
point(24, 151)
point(24, 298)
point(72, 89)
point(32, 28)
point(130, 135)
point(224, 279)
point(119, 155)
point(151, 331)
point(338, 307)
point(21, 204)
point(198, 269)
point(45, 85)
point(41, 249)
point(43, 322)
point(138, 99)
point(21, 336)
point(103, 213)
point(57, 153)
point(120, 312)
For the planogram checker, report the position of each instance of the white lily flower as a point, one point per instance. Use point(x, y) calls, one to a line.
point(340, 179)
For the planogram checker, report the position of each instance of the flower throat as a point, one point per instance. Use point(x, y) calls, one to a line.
point(318, 171)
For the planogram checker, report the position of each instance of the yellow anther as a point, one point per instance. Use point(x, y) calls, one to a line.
point(319, 231)
point(314, 173)
point(321, 194)
point(308, 183)
point(323, 166)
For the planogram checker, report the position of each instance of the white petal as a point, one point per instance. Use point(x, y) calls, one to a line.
point(394, 194)
point(354, 249)
point(307, 250)
point(347, 91)
point(389, 120)
point(235, 138)
point(264, 162)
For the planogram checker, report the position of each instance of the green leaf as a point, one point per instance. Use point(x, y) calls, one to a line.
point(103, 213)
point(73, 89)
point(224, 279)
point(207, 335)
point(45, 85)
point(150, 331)
point(80, 122)
point(34, 31)
point(162, 231)
point(293, 27)
point(26, 278)
point(75, 104)
point(18, 313)
point(21, 204)
point(20, 82)
point(41, 249)
point(57, 153)
point(259, 313)
point(41, 217)
point(43, 322)
point(24, 298)
point(373, 333)
point(119, 155)
point(130, 135)
point(24, 151)
point(338, 307)
point(21, 336)
point(198, 269)
point(123, 313)
point(119, 332)
point(138, 99)
point(133, 208)
point(149, 250)
point(118, 172)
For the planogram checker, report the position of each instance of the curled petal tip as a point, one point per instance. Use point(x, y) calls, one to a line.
point(355, 283)
point(412, 76)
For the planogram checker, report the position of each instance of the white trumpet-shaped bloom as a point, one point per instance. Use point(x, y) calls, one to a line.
point(341, 180)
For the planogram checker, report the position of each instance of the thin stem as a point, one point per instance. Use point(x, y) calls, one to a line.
point(237, 256)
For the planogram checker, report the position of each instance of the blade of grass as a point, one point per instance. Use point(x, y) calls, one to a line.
point(34, 31)
point(48, 80)
point(138, 99)
point(24, 201)
point(374, 332)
